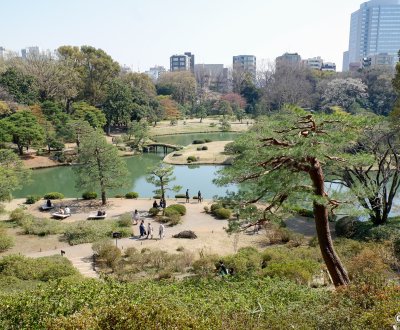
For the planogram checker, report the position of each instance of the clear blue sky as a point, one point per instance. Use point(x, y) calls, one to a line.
point(141, 33)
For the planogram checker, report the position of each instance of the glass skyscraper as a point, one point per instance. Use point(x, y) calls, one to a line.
point(374, 29)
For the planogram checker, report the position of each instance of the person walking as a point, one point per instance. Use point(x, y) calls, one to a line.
point(187, 196)
point(142, 229)
point(149, 231)
point(199, 197)
point(135, 217)
point(161, 231)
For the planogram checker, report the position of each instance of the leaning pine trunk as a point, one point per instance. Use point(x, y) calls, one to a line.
point(335, 267)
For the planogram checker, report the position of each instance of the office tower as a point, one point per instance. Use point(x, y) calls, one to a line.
point(246, 63)
point(183, 62)
point(155, 72)
point(374, 30)
point(30, 51)
point(289, 58)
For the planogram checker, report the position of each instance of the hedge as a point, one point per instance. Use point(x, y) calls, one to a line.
point(181, 209)
point(223, 213)
point(199, 142)
point(89, 195)
point(132, 195)
point(53, 195)
point(32, 199)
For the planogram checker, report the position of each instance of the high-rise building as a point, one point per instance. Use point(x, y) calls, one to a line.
point(212, 76)
point(289, 58)
point(155, 72)
point(374, 29)
point(247, 63)
point(34, 50)
point(183, 62)
point(315, 63)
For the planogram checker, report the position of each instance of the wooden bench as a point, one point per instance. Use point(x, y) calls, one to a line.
point(45, 207)
point(95, 216)
point(60, 215)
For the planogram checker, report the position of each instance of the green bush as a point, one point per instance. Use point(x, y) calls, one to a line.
point(381, 233)
point(300, 271)
point(174, 219)
point(41, 269)
point(396, 247)
point(6, 241)
point(90, 231)
point(132, 195)
point(89, 195)
point(198, 142)
point(169, 212)
point(199, 149)
point(32, 199)
point(42, 227)
point(125, 220)
point(191, 159)
point(207, 140)
point(157, 197)
point(154, 211)
point(180, 196)
point(181, 209)
point(204, 148)
point(215, 207)
point(19, 216)
point(53, 195)
point(223, 213)
point(213, 124)
point(245, 261)
point(107, 252)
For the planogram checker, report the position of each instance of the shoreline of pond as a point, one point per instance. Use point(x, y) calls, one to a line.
point(52, 163)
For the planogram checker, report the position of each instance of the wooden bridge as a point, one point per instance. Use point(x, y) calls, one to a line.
point(149, 147)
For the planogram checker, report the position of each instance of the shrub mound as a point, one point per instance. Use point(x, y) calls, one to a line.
point(180, 196)
point(89, 195)
point(32, 199)
point(191, 159)
point(223, 213)
point(53, 195)
point(6, 241)
point(154, 211)
point(188, 234)
point(132, 195)
point(181, 209)
point(199, 142)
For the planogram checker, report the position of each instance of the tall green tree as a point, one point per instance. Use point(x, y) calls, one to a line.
point(84, 111)
point(22, 87)
point(24, 130)
point(284, 158)
point(375, 180)
point(118, 104)
point(99, 167)
point(95, 68)
point(161, 177)
point(140, 130)
point(182, 86)
point(12, 173)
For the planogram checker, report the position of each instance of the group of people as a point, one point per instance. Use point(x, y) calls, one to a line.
point(199, 196)
point(163, 204)
point(64, 210)
point(150, 231)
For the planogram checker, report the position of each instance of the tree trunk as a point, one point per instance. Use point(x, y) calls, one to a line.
point(335, 267)
point(21, 150)
point(103, 198)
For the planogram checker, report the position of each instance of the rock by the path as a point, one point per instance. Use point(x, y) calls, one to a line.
point(186, 234)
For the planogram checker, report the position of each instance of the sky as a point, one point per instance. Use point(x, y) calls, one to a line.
point(143, 33)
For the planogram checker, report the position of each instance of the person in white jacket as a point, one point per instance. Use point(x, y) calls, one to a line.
point(161, 231)
point(149, 230)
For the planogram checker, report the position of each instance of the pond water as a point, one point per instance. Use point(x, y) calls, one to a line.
point(194, 178)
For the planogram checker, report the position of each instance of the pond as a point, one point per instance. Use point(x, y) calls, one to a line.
point(194, 178)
